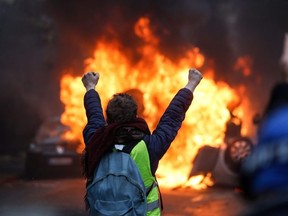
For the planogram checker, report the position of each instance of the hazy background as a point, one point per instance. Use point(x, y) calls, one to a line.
point(40, 38)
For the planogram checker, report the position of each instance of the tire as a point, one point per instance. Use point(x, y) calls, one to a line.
point(236, 151)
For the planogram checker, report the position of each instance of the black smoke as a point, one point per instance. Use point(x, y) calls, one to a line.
point(29, 87)
point(223, 30)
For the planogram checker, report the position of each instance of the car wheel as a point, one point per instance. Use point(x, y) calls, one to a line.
point(236, 151)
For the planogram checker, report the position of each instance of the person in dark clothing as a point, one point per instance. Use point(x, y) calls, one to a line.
point(123, 129)
point(264, 176)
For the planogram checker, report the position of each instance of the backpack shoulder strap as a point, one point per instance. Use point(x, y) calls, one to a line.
point(129, 147)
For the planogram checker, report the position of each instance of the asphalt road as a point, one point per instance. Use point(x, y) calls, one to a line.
point(64, 197)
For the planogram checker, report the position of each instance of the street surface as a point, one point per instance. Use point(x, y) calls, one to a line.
point(64, 197)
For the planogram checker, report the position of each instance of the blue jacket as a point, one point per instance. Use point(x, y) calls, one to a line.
point(268, 163)
point(160, 139)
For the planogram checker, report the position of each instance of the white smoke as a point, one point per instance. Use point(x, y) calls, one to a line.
point(284, 58)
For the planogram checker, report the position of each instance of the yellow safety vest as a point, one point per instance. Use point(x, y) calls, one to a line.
point(141, 157)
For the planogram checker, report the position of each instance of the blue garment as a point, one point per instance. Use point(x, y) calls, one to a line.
point(160, 139)
point(268, 164)
point(274, 126)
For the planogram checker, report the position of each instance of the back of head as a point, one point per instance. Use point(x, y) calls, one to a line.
point(278, 97)
point(121, 108)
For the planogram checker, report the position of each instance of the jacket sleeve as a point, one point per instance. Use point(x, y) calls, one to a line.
point(168, 126)
point(94, 114)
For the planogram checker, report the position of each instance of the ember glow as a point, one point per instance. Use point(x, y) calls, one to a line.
point(244, 64)
point(159, 78)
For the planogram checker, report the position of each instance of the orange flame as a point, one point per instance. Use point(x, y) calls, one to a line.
point(244, 64)
point(159, 78)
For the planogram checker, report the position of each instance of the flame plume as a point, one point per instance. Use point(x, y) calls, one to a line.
point(159, 78)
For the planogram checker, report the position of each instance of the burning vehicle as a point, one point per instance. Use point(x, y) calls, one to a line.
point(51, 154)
point(223, 163)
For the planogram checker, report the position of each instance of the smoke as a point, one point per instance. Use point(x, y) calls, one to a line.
point(219, 28)
point(176, 23)
point(284, 57)
point(29, 91)
point(223, 30)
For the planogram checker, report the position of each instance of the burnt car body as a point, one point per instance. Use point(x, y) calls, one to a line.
point(224, 162)
point(50, 155)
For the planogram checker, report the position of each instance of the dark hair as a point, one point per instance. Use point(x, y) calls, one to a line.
point(121, 108)
point(278, 97)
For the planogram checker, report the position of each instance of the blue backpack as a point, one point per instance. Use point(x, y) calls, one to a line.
point(117, 188)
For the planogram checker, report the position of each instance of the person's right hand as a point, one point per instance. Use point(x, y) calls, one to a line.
point(90, 80)
point(194, 78)
point(195, 75)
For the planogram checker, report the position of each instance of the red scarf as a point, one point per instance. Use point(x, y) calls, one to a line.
point(102, 142)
